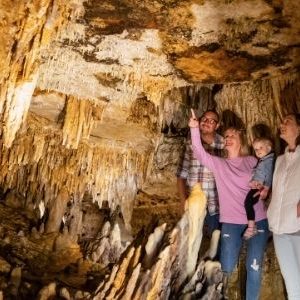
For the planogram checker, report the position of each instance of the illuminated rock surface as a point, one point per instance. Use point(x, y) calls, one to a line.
point(94, 103)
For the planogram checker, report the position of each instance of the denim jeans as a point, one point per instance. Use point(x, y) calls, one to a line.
point(231, 242)
point(212, 222)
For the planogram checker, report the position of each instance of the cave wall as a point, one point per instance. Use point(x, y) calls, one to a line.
point(94, 103)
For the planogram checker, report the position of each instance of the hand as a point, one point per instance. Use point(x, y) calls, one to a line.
point(252, 184)
point(298, 209)
point(264, 192)
point(193, 123)
point(255, 185)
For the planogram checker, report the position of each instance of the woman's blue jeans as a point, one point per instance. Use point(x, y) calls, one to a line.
point(231, 243)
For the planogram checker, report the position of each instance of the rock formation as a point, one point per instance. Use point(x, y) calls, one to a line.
point(94, 102)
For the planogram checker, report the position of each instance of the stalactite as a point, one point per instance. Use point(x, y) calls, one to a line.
point(39, 167)
point(262, 101)
point(176, 104)
point(286, 92)
point(79, 121)
point(19, 84)
point(38, 24)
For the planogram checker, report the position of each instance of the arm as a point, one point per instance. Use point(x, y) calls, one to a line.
point(264, 172)
point(298, 209)
point(182, 175)
point(254, 184)
point(269, 166)
point(264, 192)
point(205, 158)
point(266, 168)
point(182, 190)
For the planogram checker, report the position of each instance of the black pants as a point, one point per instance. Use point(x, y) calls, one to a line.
point(249, 203)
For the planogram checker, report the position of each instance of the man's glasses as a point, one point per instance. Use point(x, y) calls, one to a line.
point(208, 120)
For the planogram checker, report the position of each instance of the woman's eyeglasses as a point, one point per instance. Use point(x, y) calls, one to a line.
point(208, 120)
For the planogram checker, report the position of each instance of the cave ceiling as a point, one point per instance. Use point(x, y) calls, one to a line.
point(117, 54)
point(114, 53)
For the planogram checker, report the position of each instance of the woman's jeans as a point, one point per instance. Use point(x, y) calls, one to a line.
point(287, 248)
point(231, 243)
point(212, 222)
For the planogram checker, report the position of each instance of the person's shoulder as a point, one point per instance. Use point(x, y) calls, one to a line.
point(250, 159)
point(270, 155)
point(280, 157)
point(219, 142)
point(219, 137)
point(268, 158)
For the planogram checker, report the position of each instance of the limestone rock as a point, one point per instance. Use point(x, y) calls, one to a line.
point(4, 266)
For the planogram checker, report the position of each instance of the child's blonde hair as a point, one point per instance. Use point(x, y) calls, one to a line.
point(264, 140)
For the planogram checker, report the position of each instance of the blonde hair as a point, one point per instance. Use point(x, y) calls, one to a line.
point(264, 140)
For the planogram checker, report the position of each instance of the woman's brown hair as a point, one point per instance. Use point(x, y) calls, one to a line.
point(297, 119)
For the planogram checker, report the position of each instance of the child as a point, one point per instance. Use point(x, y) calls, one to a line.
point(261, 181)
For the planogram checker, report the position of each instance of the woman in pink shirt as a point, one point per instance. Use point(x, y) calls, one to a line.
point(232, 175)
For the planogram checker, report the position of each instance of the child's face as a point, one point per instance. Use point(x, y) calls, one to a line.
point(261, 148)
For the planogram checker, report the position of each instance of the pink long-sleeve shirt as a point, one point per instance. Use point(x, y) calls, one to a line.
point(232, 177)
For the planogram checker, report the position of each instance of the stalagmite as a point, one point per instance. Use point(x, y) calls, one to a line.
point(116, 278)
point(196, 209)
point(195, 281)
point(214, 242)
point(142, 288)
point(132, 283)
point(175, 261)
point(56, 211)
point(153, 243)
point(160, 276)
point(15, 280)
point(4, 266)
point(64, 293)
point(47, 292)
point(121, 275)
point(213, 271)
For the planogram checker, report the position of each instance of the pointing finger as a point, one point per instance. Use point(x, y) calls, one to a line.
point(193, 114)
